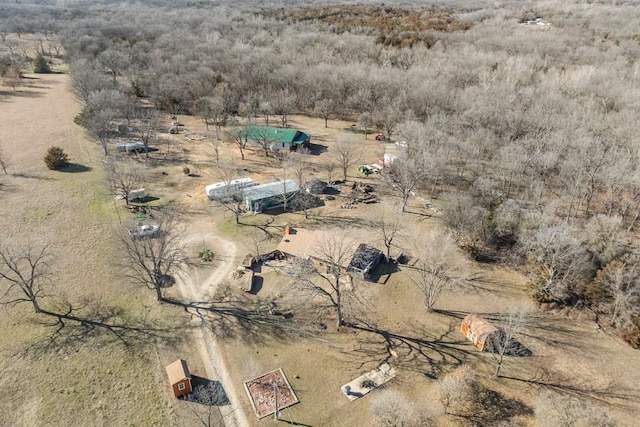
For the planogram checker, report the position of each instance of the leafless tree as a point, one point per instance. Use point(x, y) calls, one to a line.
point(511, 325)
point(231, 199)
point(99, 113)
point(364, 121)
point(283, 104)
point(324, 108)
point(13, 77)
point(556, 409)
point(329, 165)
point(206, 401)
point(124, 176)
point(438, 266)
point(458, 391)
point(3, 161)
point(405, 175)
point(236, 134)
point(262, 137)
point(392, 409)
point(24, 274)
point(151, 260)
point(327, 282)
point(216, 143)
point(346, 154)
point(146, 121)
point(561, 260)
point(619, 292)
point(388, 226)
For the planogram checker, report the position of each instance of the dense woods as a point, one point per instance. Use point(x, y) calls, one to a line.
point(525, 134)
point(516, 125)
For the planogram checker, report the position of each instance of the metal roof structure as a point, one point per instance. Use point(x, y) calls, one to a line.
point(271, 189)
point(282, 135)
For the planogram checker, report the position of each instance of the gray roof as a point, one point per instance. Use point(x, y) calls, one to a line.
point(271, 189)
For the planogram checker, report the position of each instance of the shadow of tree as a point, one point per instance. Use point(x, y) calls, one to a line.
point(249, 320)
point(75, 168)
point(611, 395)
point(215, 393)
point(421, 352)
point(491, 408)
point(69, 329)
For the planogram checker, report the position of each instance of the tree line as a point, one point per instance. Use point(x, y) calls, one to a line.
point(524, 135)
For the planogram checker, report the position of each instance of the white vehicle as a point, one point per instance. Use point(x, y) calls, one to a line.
point(145, 230)
point(225, 190)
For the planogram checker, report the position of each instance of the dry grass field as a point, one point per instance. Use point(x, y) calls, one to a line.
point(90, 377)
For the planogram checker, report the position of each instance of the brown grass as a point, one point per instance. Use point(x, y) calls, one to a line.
point(392, 26)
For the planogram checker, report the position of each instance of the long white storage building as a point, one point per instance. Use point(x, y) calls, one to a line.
point(226, 190)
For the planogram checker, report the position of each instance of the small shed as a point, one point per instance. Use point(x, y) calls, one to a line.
point(364, 260)
point(179, 377)
point(480, 332)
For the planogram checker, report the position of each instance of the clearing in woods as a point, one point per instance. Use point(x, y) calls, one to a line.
point(89, 377)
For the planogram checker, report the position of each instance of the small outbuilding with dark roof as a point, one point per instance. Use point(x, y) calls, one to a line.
point(179, 377)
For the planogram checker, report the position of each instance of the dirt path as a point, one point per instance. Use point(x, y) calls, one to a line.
point(192, 288)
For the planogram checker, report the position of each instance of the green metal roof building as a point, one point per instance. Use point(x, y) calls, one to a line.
point(278, 138)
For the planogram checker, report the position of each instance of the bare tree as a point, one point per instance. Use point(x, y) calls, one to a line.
point(324, 108)
point(364, 121)
point(458, 391)
point(283, 104)
point(618, 293)
point(388, 226)
point(329, 165)
point(124, 176)
point(230, 199)
point(99, 113)
point(392, 409)
point(438, 266)
point(145, 118)
point(556, 409)
point(24, 274)
point(209, 398)
point(512, 324)
point(346, 154)
point(237, 135)
point(403, 178)
point(334, 253)
point(13, 77)
point(561, 259)
point(3, 161)
point(262, 136)
point(151, 260)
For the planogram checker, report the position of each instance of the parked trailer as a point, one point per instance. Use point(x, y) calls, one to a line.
point(225, 190)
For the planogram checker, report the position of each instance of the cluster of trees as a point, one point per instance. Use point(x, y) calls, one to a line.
point(529, 153)
point(533, 155)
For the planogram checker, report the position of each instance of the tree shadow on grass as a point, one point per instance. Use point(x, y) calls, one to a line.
point(68, 329)
point(75, 168)
point(213, 392)
point(492, 408)
point(235, 317)
point(420, 352)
